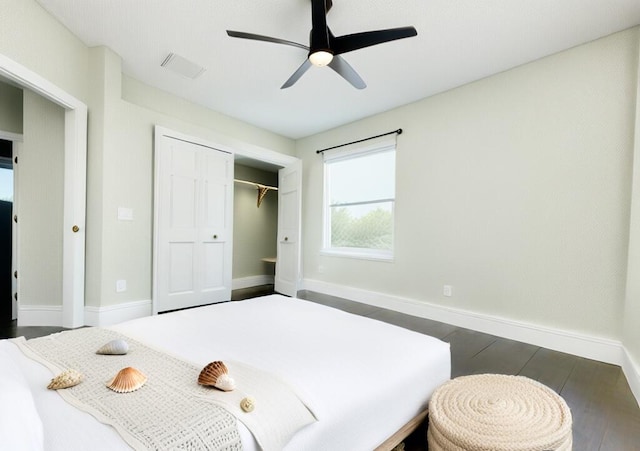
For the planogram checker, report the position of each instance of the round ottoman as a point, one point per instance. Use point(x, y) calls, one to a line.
point(497, 412)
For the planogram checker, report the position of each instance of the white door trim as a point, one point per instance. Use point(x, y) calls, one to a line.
point(8, 136)
point(75, 179)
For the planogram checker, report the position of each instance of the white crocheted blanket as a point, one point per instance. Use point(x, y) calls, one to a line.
point(171, 411)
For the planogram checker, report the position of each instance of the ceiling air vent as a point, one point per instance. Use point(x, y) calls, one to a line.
point(182, 66)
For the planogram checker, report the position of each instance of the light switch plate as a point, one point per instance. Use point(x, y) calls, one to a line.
point(121, 285)
point(125, 214)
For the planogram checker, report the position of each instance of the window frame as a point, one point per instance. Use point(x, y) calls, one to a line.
point(355, 252)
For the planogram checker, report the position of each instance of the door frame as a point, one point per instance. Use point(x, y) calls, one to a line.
point(75, 187)
point(238, 148)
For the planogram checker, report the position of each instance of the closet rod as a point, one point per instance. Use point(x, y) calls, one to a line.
point(262, 189)
point(399, 132)
point(257, 185)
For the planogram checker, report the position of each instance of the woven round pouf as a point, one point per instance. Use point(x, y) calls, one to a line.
point(498, 413)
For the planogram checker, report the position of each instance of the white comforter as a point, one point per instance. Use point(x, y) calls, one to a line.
point(362, 378)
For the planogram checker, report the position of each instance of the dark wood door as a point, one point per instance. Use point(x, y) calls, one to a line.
point(6, 207)
point(5, 261)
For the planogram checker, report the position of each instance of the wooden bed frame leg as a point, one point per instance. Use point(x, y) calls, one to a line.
point(404, 432)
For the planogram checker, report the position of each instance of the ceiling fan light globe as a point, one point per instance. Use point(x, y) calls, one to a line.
point(320, 58)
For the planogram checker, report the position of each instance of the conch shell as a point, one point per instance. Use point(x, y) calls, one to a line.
point(114, 347)
point(216, 374)
point(127, 380)
point(66, 379)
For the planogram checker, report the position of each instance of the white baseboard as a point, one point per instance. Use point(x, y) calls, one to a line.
point(40, 315)
point(252, 281)
point(596, 348)
point(113, 314)
point(632, 372)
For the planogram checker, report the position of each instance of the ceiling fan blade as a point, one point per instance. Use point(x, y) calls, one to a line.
point(297, 74)
point(350, 42)
point(347, 72)
point(259, 37)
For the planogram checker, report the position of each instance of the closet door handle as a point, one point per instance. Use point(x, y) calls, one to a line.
point(215, 237)
point(286, 238)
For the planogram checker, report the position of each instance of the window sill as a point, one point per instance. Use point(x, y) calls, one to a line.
point(358, 254)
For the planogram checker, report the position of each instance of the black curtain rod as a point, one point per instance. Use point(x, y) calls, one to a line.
point(399, 132)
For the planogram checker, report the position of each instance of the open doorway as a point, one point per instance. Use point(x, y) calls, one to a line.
point(255, 229)
point(7, 308)
point(71, 313)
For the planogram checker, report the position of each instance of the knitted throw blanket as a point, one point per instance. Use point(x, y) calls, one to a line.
point(171, 411)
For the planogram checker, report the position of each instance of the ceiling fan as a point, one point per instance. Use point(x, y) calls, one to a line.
point(325, 49)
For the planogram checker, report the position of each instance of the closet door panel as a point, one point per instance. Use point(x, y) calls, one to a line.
point(215, 205)
point(183, 202)
point(181, 257)
point(289, 207)
point(213, 266)
point(195, 207)
point(216, 225)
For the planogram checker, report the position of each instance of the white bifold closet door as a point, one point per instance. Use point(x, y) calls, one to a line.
point(289, 205)
point(195, 224)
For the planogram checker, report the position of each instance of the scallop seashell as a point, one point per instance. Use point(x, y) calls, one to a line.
point(66, 379)
point(127, 380)
point(216, 374)
point(114, 347)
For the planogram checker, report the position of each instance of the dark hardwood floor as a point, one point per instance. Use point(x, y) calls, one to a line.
point(10, 329)
point(606, 416)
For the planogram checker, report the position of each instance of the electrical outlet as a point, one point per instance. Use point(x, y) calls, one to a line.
point(447, 291)
point(121, 285)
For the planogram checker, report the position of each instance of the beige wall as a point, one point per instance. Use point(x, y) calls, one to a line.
point(515, 190)
point(254, 229)
point(224, 129)
point(10, 109)
point(31, 37)
point(40, 202)
point(631, 331)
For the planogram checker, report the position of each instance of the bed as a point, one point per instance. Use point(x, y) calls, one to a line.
point(363, 381)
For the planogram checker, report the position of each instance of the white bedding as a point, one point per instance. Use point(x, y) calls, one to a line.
point(362, 378)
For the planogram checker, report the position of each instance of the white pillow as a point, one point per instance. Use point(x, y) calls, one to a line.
point(20, 424)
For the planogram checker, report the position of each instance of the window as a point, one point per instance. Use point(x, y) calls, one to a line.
point(6, 182)
point(359, 202)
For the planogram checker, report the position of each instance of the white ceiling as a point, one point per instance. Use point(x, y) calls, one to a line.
point(458, 41)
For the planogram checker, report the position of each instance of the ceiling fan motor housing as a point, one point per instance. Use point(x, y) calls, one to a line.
point(319, 35)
